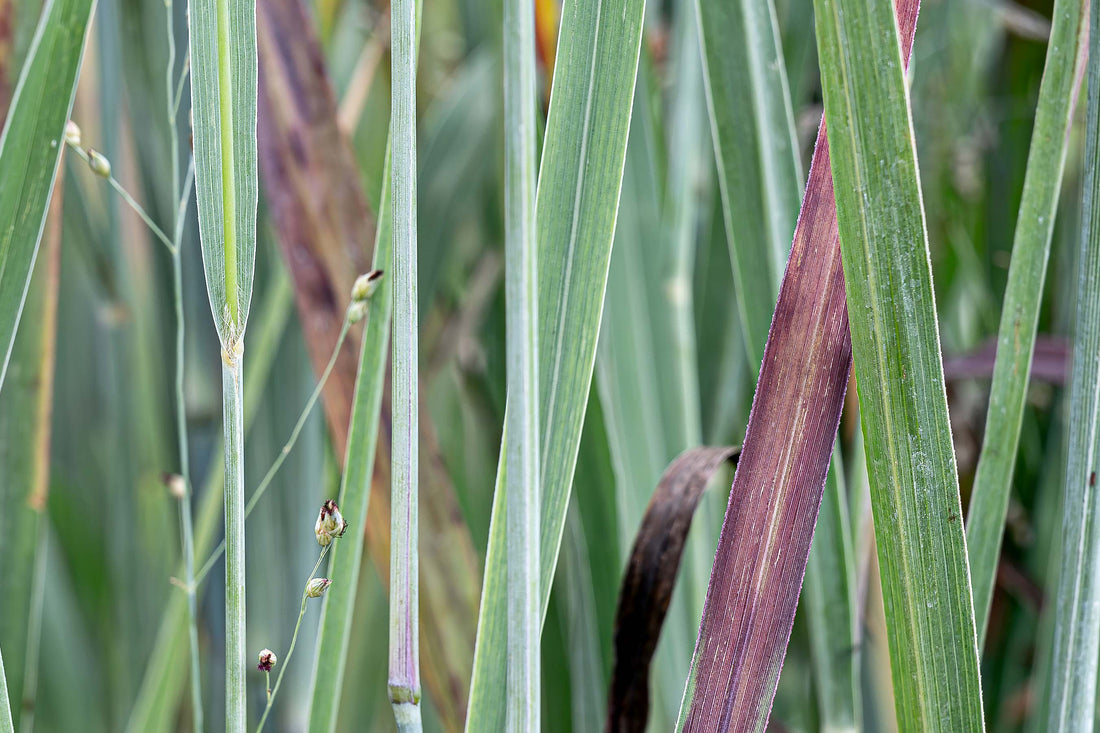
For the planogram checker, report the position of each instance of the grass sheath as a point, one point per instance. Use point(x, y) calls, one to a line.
point(233, 431)
point(1073, 670)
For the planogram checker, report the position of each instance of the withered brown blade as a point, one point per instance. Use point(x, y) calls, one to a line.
point(776, 493)
point(650, 576)
point(326, 234)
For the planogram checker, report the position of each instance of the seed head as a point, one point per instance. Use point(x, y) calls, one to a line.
point(267, 660)
point(72, 134)
point(176, 486)
point(366, 285)
point(99, 163)
point(317, 587)
point(330, 524)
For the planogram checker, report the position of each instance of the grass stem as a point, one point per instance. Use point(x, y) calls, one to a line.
point(522, 416)
point(404, 647)
point(233, 430)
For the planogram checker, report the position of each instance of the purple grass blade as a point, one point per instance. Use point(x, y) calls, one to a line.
point(776, 493)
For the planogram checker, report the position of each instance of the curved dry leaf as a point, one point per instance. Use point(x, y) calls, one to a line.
point(649, 579)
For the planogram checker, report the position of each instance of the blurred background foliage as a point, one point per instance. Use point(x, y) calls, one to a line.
point(107, 544)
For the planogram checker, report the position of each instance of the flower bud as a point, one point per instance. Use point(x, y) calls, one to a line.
point(356, 311)
point(99, 164)
point(317, 587)
point(330, 524)
point(267, 660)
point(72, 134)
point(366, 285)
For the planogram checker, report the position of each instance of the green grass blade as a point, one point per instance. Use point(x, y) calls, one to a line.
point(30, 151)
point(523, 679)
point(579, 182)
point(832, 611)
point(346, 557)
point(25, 428)
point(223, 104)
point(752, 127)
point(1077, 616)
point(1066, 52)
point(895, 342)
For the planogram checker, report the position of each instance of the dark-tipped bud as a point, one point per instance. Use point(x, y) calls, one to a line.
point(330, 524)
point(317, 587)
point(267, 660)
point(366, 285)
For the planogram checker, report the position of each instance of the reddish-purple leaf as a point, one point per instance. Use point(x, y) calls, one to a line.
point(776, 493)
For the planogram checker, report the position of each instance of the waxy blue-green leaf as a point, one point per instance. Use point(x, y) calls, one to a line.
point(223, 108)
point(578, 194)
point(1073, 670)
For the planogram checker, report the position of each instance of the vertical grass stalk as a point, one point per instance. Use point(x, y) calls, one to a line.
point(233, 432)
point(522, 416)
point(223, 96)
point(1077, 617)
point(404, 667)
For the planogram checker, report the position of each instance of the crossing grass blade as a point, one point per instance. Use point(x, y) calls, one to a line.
point(895, 343)
point(789, 440)
point(1066, 53)
point(30, 152)
point(760, 180)
point(578, 193)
